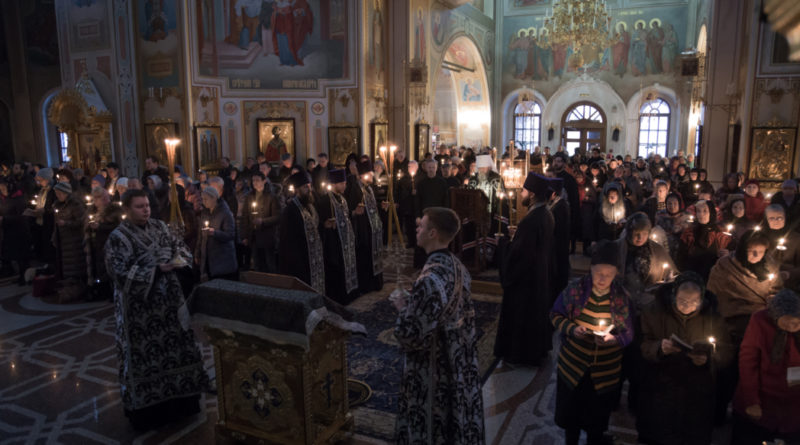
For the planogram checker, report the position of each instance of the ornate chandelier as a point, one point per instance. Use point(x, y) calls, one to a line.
point(582, 24)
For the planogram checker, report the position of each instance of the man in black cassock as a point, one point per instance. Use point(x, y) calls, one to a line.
point(367, 227)
point(432, 191)
point(338, 240)
point(561, 215)
point(560, 161)
point(300, 250)
point(406, 200)
point(523, 335)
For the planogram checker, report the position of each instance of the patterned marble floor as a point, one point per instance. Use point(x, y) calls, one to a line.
point(58, 382)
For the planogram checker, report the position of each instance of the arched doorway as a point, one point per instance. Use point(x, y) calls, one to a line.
point(461, 111)
point(583, 126)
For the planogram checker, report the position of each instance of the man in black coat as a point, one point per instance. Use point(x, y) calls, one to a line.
point(432, 191)
point(561, 237)
point(320, 173)
point(523, 335)
point(260, 218)
point(560, 161)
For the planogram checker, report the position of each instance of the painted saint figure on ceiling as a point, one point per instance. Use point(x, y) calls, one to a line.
point(292, 22)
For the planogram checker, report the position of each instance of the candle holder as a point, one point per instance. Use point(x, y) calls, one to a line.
point(392, 218)
point(175, 217)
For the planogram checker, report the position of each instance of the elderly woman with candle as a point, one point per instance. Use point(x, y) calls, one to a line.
point(593, 316)
point(786, 243)
point(743, 281)
point(766, 404)
point(215, 252)
point(677, 388)
point(702, 243)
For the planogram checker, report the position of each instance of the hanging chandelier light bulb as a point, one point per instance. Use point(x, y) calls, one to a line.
point(584, 25)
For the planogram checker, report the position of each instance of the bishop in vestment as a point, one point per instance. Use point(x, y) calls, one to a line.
point(338, 240)
point(440, 396)
point(160, 366)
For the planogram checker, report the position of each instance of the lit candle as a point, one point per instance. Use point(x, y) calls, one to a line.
point(769, 195)
point(781, 244)
point(206, 225)
point(56, 211)
point(664, 271)
point(291, 189)
point(696, 186)
point(729, 229)
point(713, 342)
point(654, 237)
point(33, 201)
point(661, 169)
point(124, 216)
point(586, 189)
point(757, 228)
point(771, 276)
point(91, 218)
point(594, 181)
point(254, 208)
point(330, 195)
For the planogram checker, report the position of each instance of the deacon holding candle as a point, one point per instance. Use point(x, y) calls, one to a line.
point(677, 380)
point(259, 227)
point(338, 241)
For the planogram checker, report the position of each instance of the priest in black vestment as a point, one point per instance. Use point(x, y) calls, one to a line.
point(523, 335)
point(560, 161)
point(300, 248)
point(338, 240)
point(561, 237)
point(367, 227)
point(432, 191)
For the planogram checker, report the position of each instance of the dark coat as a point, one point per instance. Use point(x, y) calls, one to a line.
point(700, 256)
point(431, 192)
point(561, 236)
point(217, 253)
point(68, 238)
point(267, 208)
point(571, 187)
point(16, 244)
point(676, 396)
point(107, 220)
point(523, 333)
point(640, 289)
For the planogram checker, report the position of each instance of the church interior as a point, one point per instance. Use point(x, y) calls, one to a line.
point(205, 86)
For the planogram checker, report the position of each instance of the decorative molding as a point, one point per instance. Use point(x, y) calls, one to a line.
point(273, 110)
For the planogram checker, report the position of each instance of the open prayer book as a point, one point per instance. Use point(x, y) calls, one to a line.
point(793, 376)
point(697, 348)
point(603, 331)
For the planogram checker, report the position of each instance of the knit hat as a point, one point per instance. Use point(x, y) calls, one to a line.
point(789, 183)
point(536, 183)
point(64, 187)
point(364, 167)
point(211, 191)
point(100, 179)
point(122, 182)
point(605, 252)
point(299, 179)
point(484, 161)
point(336, 176)
point(46, 173)
point(785, 302)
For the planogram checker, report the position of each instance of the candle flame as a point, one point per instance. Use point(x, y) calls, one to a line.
point(771, 276)
point(711, 340)
point(206, 223)
point(665, 265)
point(757, 228)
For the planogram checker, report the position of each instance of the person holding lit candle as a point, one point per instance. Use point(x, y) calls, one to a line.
point(70, 258)
point(610, 215)
point(259, 226)
point(104, 217)
point(677, 387)
point(367, 227)
point(742, 285)
point(16, 242)
point(338, 240)
point(300, 249)
point(786, 242)
point(734, 220)
point(589, 362)
point(215, 252)
point(765, 405)
point(702, 243)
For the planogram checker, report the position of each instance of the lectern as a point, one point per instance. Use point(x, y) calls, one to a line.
point(280, 360)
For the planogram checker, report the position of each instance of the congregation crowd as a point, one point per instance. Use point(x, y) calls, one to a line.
point(692, 296)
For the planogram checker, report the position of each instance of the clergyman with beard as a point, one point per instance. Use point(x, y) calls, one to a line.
point(300, 250)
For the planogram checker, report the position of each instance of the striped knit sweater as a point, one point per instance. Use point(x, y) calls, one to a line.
point(579, 306)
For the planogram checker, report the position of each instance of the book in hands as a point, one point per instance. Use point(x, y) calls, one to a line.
point(698, 348)
point(793, 376)
point(603, 332)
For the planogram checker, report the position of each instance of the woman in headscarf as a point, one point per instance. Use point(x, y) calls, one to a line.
point(677, 395)
point(673, 220)
point(611, 213)
point(593, 316)
point(730, 186)
point(766, 404)
point(702, 243)
point(734, 221)
point(786, 243)
point(743, 281)
point(754, 201)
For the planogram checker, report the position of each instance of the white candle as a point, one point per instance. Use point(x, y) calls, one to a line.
point(206, 227)
point(771, 276)
point(713, 342)
point(757, 228)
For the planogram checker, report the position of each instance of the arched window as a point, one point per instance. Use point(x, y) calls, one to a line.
point(654, 127)
point(585, 113)
point(527, 125)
